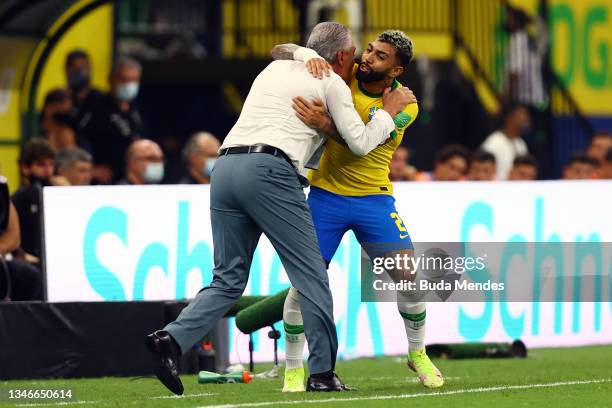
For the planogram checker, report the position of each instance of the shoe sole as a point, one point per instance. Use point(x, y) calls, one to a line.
point(290, 390)
point(161, 371)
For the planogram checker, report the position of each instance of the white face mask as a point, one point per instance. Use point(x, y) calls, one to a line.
point(154, 173)
point(208, 167)
point(128, 91)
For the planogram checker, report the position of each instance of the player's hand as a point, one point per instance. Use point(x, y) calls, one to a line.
point(411, 97)
point(395, 101)
point(312, 113)
point(318, 67)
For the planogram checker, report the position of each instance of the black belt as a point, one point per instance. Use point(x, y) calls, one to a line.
point(258, 148)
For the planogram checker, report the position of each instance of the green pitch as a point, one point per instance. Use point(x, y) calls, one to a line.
point(565, 377)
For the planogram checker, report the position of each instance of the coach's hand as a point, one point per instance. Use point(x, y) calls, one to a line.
point(312, 113)
point(395, 101)
point(318, 67)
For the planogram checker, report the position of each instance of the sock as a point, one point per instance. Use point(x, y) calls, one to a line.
point(413, 314)
point(294, 331)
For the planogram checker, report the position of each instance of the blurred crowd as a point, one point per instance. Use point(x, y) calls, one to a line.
point(90, 137)
point(504, 156)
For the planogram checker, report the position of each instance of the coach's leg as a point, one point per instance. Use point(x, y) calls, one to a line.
point(281, 212)
point(235, 238)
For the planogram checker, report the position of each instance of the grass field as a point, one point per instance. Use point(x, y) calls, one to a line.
point(567, 377)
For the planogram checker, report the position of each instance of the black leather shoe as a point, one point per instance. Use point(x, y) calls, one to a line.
point(165, 356)
point(333, 384)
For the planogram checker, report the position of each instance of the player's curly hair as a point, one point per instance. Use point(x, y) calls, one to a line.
point(401, 42)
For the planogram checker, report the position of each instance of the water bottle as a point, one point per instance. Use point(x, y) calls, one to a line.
point(207, 377)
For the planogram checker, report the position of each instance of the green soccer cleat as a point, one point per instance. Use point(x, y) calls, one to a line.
point(429, 375)
point(294, 380)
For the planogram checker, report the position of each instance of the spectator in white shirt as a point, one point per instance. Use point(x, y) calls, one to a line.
point(507, 143)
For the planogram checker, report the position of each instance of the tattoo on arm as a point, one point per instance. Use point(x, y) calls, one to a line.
point(283, 51)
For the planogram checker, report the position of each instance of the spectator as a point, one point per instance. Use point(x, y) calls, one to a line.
point(505, 144)
point(605, 170)
point(76, 165)
point(200, 154)
point(580, 167)
point(144, 163)
point(451, 164)
point(601, 143)
point(36, 163)
point(85, 98)
point(57, 119)
point(116, 123)
point(399, 169)
point(524, 168)
point(482, 166)
point(524, 83)
point(25, 279)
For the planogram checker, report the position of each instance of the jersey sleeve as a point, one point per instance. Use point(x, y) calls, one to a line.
point(404, 119)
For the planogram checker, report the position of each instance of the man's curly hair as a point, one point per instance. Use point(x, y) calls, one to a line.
point(401, 42)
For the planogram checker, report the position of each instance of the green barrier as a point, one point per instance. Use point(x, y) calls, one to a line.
point(243, 303)
point(478, 350)
point(263, 313)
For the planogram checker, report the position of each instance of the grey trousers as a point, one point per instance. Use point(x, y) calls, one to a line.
point(251, 194)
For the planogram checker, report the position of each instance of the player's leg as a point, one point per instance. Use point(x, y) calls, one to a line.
point(327, 215)
point(379, 223)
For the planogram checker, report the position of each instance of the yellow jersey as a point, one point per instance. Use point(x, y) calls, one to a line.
point(342, 172)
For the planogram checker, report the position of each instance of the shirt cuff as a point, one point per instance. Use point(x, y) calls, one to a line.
point(386, 120)
point(305, 54)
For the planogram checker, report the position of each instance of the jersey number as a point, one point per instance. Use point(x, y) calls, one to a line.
point(400, 225)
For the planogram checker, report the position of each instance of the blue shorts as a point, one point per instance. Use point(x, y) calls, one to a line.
point(372, 218)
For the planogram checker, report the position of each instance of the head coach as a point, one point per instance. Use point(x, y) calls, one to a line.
point(256, 188)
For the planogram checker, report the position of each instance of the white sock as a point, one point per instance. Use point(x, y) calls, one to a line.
point(413, 314)
point(294, 331)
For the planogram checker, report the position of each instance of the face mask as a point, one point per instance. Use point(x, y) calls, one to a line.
point(78, 80)
point(208, 167)
point(128, 91)
point(154, 173)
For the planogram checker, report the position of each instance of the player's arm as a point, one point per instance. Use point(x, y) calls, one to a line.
point(406, 117)
point(316, 65)
point(314, 114)
point(360, 138)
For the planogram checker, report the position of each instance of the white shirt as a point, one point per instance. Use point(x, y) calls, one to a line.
point(268, 118)
point(505, 151)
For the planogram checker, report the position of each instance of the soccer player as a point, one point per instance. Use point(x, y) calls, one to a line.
point(349, 192)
